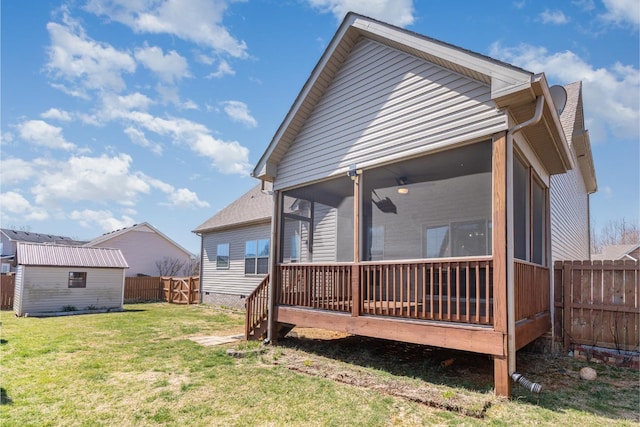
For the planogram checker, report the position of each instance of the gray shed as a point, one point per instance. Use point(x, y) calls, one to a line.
point(55, 278)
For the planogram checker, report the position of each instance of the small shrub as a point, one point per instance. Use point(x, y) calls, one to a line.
point(69, 308)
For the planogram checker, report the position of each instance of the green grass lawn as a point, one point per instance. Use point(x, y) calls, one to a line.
point(139, 368)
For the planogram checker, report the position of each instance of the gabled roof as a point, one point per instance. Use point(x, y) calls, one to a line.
point(511, 87)
point(253, 207)
point(28, 236)
point(113, 234)
point(37, 254)
point(615, 252)
point(572, 118)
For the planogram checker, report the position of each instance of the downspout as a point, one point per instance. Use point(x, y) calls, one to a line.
point(511, 315)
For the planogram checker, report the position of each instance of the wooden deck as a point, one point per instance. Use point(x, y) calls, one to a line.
point(445, 303)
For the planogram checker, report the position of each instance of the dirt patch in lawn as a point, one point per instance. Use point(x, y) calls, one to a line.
point(397, 369)
point(453, 380)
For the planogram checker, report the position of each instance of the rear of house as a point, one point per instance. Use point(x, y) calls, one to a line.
point(413, 184)
point(54, 278)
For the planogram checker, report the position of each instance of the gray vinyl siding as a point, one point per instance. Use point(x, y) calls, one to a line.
point(46, 289)
point(231, 281)
point(384, 104)
point(325, 233)
point(569, 217)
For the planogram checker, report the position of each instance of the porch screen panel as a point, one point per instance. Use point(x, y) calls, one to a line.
point(434, 206)
point(520, 209)
point(317, 222)
point(538, 226)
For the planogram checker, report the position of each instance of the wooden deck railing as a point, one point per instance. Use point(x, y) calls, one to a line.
point(454, 290)
point(532, 290)
point(257, 305)
point(316, 285)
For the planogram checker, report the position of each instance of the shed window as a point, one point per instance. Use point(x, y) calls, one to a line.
point(222, 256)
point(77, 279)
point(256, 256)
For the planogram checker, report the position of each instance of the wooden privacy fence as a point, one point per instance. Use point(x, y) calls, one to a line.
point(142, 289)
point(7, 288)
point(597, 303)
point(181, 290)
point(178, 290)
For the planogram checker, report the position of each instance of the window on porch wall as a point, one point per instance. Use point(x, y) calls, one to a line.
point(436, 206)
point(529, 214)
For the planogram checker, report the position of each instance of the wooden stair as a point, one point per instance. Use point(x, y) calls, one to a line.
point(256, 322)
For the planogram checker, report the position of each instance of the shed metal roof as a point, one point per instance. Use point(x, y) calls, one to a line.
point(36, 254)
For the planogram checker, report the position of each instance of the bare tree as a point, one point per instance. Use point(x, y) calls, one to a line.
point(615, 232)
point(192, 268)
point(169, 266)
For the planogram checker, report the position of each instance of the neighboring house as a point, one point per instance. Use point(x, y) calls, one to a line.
point(9, 239)
point(412, 187)
point(235, 249)
point(55, 278)
point(618, 252)
point(144, 247)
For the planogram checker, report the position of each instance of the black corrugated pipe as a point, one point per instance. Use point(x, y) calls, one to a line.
point(531, 386)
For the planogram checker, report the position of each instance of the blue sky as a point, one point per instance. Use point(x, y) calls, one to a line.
point(117, 112)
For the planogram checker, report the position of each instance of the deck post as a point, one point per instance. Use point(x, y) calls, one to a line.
point(355, 270)
point(274, 276)
point(502, 385)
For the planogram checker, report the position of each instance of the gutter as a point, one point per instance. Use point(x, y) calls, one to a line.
point(511, 315)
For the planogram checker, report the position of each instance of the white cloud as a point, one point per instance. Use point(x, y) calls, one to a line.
point(116, 106)
point(103, 218)
point(6, 138)
point(586, 5)
point(83, 62)
point(556, 17)
point(101, 179)
point(55, 114)
point(611, 94)
point(396, 12)
point(169, 68)
point(227, 156)
point(622, 12)
point(138, 137)
point(239, 112)
point(39, 132)
point(204, 59)
point(180, 198)
point(224, 69)
point(15, 170)
point(15, 204)
point(198, 21)
point(183, 197)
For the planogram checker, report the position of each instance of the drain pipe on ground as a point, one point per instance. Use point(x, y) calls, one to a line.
point(511, 320)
